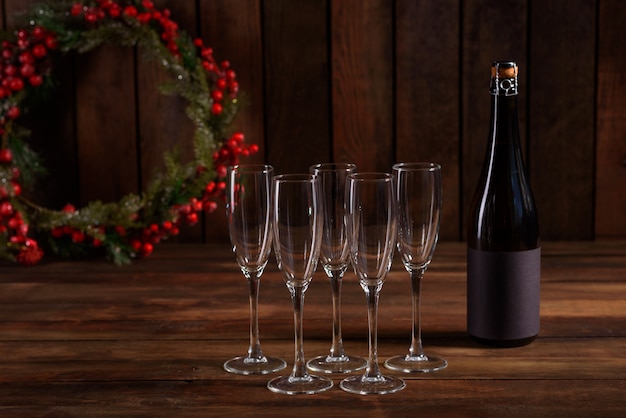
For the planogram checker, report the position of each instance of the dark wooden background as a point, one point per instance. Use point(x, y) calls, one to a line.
point(367, 81)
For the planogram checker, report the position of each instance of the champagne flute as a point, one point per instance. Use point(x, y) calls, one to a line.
point(372, 239)
point(334, 258)
point(248, 208)
point(297, 225)
point(418, 191)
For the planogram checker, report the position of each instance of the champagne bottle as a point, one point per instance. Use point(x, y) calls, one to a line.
point(504, 253)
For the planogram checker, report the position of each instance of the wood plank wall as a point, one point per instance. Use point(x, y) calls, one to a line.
point(371, 82)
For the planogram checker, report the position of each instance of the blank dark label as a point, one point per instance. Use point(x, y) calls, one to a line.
point(503, 292)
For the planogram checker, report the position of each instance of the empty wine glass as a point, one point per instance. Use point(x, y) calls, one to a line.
point(248, 208)
point(418, 191)
point(297, 226)
point(334, 257)
point(372, 239)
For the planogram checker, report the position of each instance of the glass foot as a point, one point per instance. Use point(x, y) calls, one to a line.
point(378, 385)
point(251, 365)
point(307, 384)
point(416, 364)
point(336, 364)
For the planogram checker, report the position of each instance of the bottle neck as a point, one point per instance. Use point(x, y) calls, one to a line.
point(504, 121)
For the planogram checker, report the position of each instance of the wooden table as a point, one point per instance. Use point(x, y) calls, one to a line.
point(92, 339)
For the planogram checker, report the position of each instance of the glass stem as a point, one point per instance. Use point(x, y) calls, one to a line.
point(254, 351)
point(336, 350)
point(299, 365)
point(416, 349)
point(372, 293)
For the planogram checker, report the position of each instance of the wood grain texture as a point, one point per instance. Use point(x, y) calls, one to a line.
point(561, 116)
point(106, 124)
point(296, 84)
point(427, 100)
point(371, 82)
point(610, 180)
point(362, 83)
point(149, 339)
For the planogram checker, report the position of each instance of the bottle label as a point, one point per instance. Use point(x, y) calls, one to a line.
point(503, 293)
point(503, 87)
point(503, 79)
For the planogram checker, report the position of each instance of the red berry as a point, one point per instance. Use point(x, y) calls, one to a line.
point(210, 206)
point(91, 17)
point(78, 237)
point(15, 221)
point(38, 32)
point(184, 209)
point(192, 218)
point(210, 67)
point(6, 156)
point(27, 70)
point(22, 229)
point(57, 232)
point(136, 244)
point(77, 9)
point(39, 51)
point(146, 249)
point(26, 58)
point(238, 136)
point(217, 95)
point(23, 44)
point(115, 11)
point(15, 239)
point(13, 112)
point(130, 11)
point(6, 209)
point(216, 109)
point(196, 204)
point(16, 84)
point(51, 42)
point(69, 208)
point(17, 189)
point(10, 70)
point(35, 80)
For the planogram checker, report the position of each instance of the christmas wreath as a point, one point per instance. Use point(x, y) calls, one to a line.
point(131, 227)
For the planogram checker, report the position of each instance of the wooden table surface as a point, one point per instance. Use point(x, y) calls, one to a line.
point(92, 339)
